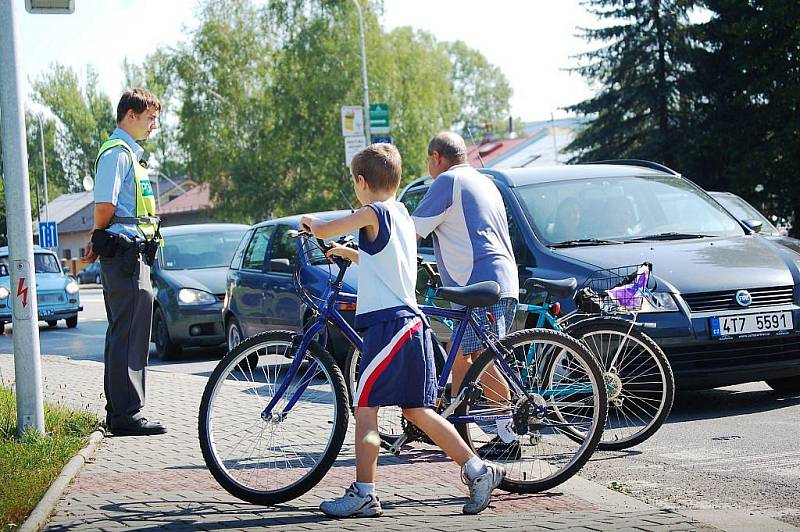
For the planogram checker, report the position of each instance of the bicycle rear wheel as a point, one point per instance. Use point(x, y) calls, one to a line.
point(552, 403)
point(272, 460)
point(639, 379)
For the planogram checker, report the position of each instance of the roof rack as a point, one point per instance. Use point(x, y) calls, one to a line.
point(638, 162)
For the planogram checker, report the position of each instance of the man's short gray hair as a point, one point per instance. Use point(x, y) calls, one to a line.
point(450, 146)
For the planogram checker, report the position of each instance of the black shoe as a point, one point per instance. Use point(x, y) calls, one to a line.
point(140, 427)
point(497, 449)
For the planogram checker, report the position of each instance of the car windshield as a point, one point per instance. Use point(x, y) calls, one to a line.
point(612, 210)
point(199, 250)
point(744, 211)
point(46, 263)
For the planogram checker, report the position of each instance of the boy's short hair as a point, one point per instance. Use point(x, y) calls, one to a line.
point(381, 166)
point(137, 100)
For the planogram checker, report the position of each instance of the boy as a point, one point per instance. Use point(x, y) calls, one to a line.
point(397, 362)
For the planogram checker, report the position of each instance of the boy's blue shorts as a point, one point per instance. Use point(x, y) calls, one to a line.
point(396, 367)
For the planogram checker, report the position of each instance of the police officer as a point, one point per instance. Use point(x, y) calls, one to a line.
point(125, 237)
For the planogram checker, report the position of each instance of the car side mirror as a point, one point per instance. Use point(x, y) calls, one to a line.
point(754, 225)
point(280, 266)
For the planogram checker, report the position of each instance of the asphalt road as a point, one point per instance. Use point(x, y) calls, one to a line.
point(85, 342)
point(730, 448)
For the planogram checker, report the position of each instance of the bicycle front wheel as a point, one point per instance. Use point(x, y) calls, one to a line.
point(562, 390)
point(639, 380)
point(269, 459)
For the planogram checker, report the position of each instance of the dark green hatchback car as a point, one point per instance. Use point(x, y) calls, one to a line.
point(189, 286)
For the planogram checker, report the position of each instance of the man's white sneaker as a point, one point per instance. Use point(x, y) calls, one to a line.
point(481, 487)
point(351, 504)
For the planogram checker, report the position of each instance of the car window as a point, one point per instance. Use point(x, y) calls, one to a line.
point(622, 208)
point(199, 250)
point(411, 199)
point(744, 211)
point(238, 255)
point(46, 263)
point(284, 248)
point(257, 249)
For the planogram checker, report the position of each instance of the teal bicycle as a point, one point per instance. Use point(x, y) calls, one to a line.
point(638, 376)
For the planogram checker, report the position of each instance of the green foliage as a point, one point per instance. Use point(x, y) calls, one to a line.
point(29, 464)
point(481, 89)
point(86, 114)
point(746, 92)
point(638, 109)
point(258, 91)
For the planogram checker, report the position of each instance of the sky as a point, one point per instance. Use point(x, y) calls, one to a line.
point(532, 41)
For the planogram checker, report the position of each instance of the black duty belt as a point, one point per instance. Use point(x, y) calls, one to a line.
point(154, 220)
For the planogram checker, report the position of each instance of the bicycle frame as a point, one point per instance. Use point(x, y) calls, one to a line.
point(328, 312)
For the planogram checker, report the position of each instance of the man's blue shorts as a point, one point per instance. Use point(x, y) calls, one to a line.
point(396, 367)
point(503, 312)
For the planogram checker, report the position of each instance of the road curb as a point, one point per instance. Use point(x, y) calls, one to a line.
point(41, 513)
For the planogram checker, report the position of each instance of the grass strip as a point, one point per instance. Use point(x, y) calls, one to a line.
point(28, 465)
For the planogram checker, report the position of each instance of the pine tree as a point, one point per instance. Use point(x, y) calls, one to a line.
point(637, 111)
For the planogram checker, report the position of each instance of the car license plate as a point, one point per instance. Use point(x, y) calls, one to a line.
point(741, 324)
point(45, 312)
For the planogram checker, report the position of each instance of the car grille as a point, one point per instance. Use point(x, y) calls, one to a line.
point(726, 300)
point(221, 296)
point(730, 354)
point(52, 298)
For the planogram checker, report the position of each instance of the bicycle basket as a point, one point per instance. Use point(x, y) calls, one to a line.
point(617, 290)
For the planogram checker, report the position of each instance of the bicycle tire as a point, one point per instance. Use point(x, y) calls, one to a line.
point(390, 418)
point(599, 334)
point(319, 364)
point(516, 345)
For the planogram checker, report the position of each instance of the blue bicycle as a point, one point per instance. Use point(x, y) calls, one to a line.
point(275, 411)
point(638, 376)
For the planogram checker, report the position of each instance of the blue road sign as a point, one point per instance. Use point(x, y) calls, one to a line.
point(386, 139)
point(48, 234)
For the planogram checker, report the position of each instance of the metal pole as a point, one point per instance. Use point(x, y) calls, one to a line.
point(364, 72)
point(44, 170)
point(27, 363)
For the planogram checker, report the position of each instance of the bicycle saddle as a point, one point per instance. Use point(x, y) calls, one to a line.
point(557, 287)
point(480, 294)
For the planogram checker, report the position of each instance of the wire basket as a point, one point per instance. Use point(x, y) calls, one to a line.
point(617, 290)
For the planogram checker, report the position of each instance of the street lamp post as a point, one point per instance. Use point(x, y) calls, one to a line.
point(44, 170)
point(364, 72)
point(25, 320)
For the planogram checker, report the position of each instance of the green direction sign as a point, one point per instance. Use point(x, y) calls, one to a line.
point(379, 118)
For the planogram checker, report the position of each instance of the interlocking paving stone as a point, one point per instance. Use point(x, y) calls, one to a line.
point(161, 482)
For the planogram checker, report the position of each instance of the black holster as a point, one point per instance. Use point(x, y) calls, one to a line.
point(149, 250)
point(129, 254)
point(104, 243)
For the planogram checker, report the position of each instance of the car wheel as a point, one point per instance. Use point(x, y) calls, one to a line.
point(52, 323)
point(234, 334)
point(785, 385)
point(166, 349)
point(97, 279)
point(72, 322)
point(2, 327)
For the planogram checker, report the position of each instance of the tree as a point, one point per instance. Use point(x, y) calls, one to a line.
point(482, 91)
point(84, 115)
point(746, 89)
point(637, 112)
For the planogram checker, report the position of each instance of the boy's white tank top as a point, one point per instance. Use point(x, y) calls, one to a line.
point(387, 279)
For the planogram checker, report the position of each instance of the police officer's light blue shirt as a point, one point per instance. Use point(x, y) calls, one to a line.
point(115, 183)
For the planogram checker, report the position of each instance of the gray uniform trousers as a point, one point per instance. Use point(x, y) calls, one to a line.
point(129, 308)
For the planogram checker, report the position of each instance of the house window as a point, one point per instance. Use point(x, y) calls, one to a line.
point(67, 254)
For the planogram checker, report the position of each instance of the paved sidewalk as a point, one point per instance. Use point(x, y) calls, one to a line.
point(162, 482)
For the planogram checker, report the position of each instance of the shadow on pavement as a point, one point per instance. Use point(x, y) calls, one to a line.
point(724, 402)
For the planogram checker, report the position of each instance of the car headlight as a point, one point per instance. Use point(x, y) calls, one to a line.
point(3, 292)
point(190, 296)
point(72, 287)
point(659, 302)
